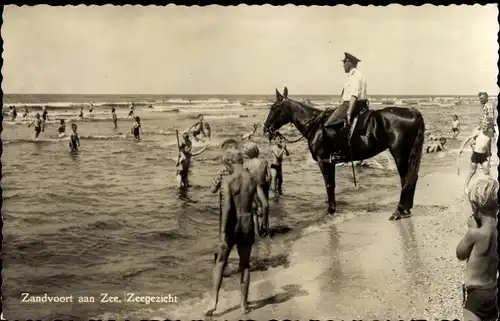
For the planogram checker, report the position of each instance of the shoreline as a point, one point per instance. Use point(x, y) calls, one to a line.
point(364, 267)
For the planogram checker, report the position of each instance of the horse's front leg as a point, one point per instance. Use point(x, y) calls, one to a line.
point(328, 171)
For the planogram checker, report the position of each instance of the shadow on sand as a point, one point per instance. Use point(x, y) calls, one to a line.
point(290, 291)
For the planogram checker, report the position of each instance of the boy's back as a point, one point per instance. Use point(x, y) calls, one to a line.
point(481, 267)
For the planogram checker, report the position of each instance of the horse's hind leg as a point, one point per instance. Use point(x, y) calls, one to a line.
point(401, 159)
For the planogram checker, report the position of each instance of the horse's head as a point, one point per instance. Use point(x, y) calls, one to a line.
point(279, 114)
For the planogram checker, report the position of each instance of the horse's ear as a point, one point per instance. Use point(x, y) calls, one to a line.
point(285, 92)
point(278, 95)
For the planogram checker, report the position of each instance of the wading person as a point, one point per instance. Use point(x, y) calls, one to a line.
point(260, 171)
point(278, 148)
point(250, 135)
point(354, 100)
point(455, 126)
point(481, 153)
point(200, 127)
point(38, 125)
point(115, 119)
point(237, 225)
point(44, 117)
point(184, 161)
point(479, 249)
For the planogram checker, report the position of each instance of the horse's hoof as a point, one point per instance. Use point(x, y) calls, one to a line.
point(395, 216)
point(331, 210)
point(406, 213)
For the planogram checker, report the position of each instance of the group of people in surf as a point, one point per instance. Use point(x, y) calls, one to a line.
point(40, 122)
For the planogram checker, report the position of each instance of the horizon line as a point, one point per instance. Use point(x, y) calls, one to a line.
point(219, 94)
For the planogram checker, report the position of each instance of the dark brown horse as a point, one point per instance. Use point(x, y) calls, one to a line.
point(401, 130)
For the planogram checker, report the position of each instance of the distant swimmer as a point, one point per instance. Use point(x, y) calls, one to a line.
point(237, 226)
point(44, 117)
point(478, 249)
point(455, 126)
point(137, 129)
point(113, 115)
point(74, 140)
point(481, 153)
point(25, 112)
point(91, 110)
point(38, 125)
point(81, 113)
point(260, 170)
point(13, 113)
point(249, 135)
point(279, 147)
point(184, 161)
point(436, 146)
point(131, 110)
point(61, 130)
point(199, 128)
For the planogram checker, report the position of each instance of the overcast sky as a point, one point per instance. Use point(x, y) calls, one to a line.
point(424, 50)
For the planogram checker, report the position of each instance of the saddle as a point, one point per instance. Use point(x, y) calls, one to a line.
point(360, 122)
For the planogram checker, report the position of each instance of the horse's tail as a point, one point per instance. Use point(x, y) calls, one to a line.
point(416, 151)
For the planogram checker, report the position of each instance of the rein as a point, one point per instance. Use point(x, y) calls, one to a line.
point(310, 125)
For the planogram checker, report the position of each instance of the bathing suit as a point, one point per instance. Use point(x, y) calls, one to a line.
point(479, 158)
point(240, 230)
point(454, 129)
point(481, 300)
point(131, 112)
point(135, 131)
point(72, 142)
point(44, 115)
point(62, 129)
point(38, 129)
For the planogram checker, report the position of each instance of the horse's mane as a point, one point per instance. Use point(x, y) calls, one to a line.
point(316, 110)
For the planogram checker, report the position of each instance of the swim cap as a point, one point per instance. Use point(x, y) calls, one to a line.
point(251, 149)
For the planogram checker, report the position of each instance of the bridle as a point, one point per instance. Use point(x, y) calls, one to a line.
point(310, 125)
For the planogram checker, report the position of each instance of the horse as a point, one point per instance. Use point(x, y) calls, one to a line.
point(399, 129)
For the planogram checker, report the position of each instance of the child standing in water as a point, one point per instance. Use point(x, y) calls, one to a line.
point(44, 117)
point(38, 125)
point(115, 119)
point(61, 130)
point(91, 110)
point(137, 129)
point(455, 126)
point(74, 141)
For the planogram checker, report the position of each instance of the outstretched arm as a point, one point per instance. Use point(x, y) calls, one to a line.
point(465, 143)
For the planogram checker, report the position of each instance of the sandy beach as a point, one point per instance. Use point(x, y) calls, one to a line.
point(367, 267)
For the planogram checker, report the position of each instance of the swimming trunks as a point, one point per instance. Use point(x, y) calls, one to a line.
point(276, 167)
point(136, 132)
point(481, 300)
point(454, 129)
point(241, 231)
point(478, 158)
point(38, 129)
point(130, 113)
point(44, 115)
point(197, 132)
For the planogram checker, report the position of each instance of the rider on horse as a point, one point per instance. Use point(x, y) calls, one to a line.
point(354, 101)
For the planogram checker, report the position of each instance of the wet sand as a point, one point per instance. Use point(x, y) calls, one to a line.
point(366, 267)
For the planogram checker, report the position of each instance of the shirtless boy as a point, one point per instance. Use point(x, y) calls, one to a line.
point(479, 249)
point(480, 153)
point(38, 125)
point(259, 169)
point(237, 226)
point(278, 149)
